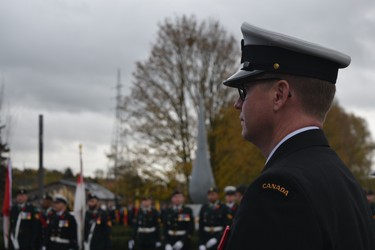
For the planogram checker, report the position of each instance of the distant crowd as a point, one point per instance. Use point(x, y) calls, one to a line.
point(54, 227)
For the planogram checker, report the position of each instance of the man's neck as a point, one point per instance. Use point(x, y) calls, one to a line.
point(286, 128)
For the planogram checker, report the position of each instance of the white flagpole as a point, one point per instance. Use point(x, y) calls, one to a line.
point(80, 203)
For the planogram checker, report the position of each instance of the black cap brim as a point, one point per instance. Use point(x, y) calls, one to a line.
point(241, 77)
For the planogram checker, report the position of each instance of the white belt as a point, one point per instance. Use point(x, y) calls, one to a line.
point(213, 229)
point(59, 240)
point(176, 232)
point(146, 229)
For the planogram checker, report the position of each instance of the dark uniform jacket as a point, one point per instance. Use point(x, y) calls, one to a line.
point(231, 212)
point(27, 217)
point(62, 232)
point(147, 229)
point(305, 198)
point(45, 217)
point(178, 226)
point(212, 222)
point(97, 229)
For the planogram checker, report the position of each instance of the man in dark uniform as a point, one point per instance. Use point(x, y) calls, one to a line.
point(146, 234)
point(305, 197)
point(24, 220)
point(178, 224)
point(371, 201)
point(62, 229)
point(212, 221)
point(240, 191)
point(230, 202)
point(46, 214)
point(97, 226)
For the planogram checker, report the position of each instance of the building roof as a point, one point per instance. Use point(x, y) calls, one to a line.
point(101, 192)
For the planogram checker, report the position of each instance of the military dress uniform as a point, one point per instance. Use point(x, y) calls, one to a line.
point(305, 197)
point(286, 206)
point(45, 217)
point(231, 212)
point(97, 230)
point(178, 226)
point(147, 229)
point(212, 221)
point(24, 220)
point(62, 232)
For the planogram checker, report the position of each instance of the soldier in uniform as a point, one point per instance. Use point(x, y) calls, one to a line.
point(305, 197)
point(46, 214)
point(371, 201)
point(62, 228)
point(240, 191)
point(146, 230)
point(230, 202)
point(178, 224)
point(212, 221)
point(24, 220)
point(97, 226)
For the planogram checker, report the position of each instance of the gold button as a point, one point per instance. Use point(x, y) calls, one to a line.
point(276, 66)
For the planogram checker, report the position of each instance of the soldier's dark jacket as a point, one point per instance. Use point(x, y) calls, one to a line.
point(45, 217)
point(231, 212)
point(28, 217)
point(178, 226)
point(305, 198)
point(97, 229)
point(62, 232)
point(147, 229)
point(212, 222)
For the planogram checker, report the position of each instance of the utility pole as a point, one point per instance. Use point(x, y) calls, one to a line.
point(117, 146)
point(41, 170)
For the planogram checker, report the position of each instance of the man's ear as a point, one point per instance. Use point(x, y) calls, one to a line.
point(281, 93)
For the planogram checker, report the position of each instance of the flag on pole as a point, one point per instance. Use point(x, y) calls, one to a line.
point(80, 203)
point(7, 203)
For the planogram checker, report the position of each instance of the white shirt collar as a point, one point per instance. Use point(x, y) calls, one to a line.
point(289, 136)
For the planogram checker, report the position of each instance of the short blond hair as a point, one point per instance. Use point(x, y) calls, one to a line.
point(316, 96)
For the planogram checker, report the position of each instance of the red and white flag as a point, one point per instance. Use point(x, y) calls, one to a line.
point(80, 204)
point(7, 203)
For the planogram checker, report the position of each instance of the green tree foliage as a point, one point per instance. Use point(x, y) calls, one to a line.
point(68, 173)
point(349, 136)
point(189, 59)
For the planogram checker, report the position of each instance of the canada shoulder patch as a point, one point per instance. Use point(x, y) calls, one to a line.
point(276, 187)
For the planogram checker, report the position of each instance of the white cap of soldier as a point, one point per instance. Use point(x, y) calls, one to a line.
point(268, 51)
point(60, 198)
point(229, 190)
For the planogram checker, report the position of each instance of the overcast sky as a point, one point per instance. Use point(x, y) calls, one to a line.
point(59, 58)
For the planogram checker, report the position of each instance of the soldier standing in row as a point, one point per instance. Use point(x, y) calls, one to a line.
point(240, 191)
point(62, 229)
point(24, 220)
point(178, 224)
point(212, 220)
point(146, 234)
point(46, 214)
point(230, 199)
point(97, 226)
point(370, 199)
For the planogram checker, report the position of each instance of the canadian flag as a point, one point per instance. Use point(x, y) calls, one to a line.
point(80, 204)
point(7, 203)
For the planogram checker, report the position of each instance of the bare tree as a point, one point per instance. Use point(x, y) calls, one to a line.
point(189, 59)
